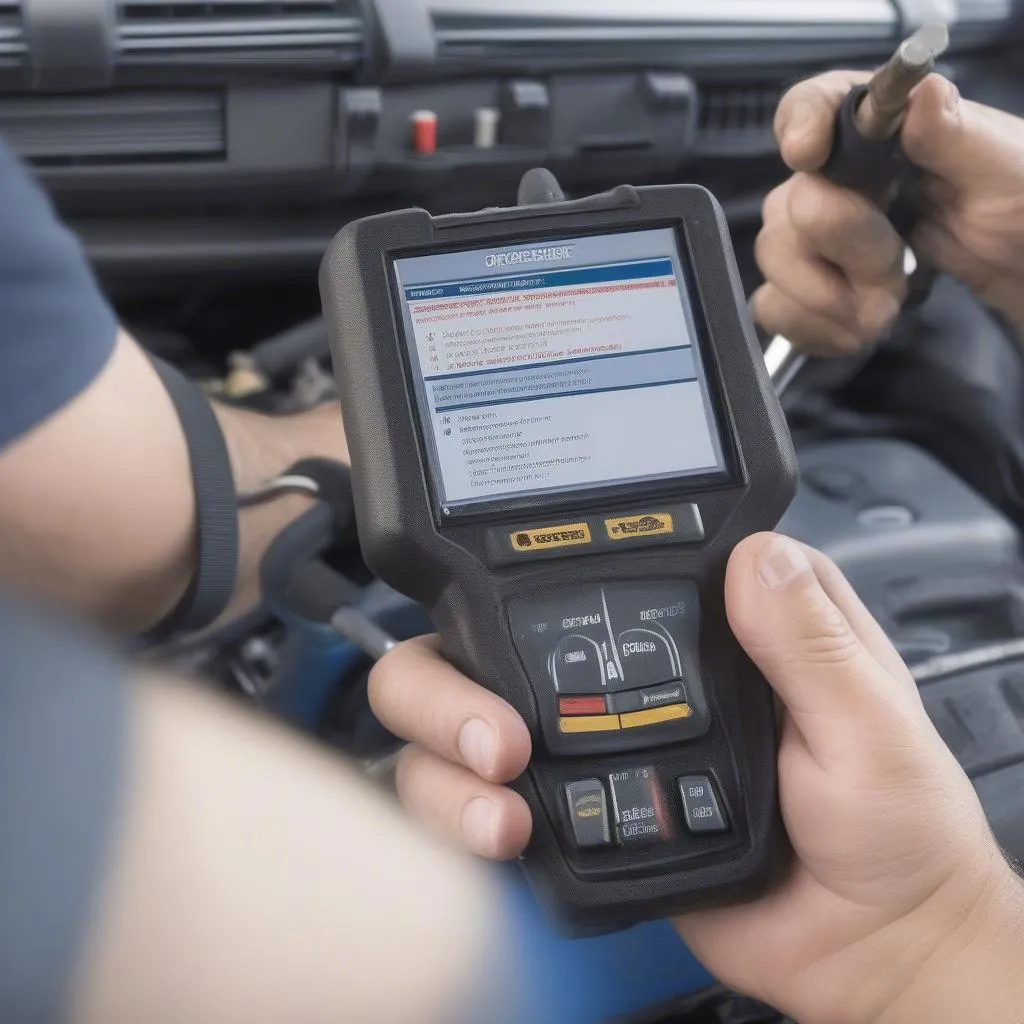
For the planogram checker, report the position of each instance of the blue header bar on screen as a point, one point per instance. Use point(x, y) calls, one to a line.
point(555, 279)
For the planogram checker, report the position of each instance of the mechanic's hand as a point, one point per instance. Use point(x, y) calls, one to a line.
point(895, 865)
point(896, 871)
point(834, 264)
point(465, 742)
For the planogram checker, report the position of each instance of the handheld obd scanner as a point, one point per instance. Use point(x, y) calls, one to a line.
point(561, 424)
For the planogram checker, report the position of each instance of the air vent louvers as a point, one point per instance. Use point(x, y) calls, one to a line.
point(732, 29)
point(12, 35)
point(115, 129)
point(327, 32)
point(737, 109)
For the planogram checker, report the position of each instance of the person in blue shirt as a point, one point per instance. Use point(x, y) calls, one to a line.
point(167, 857)
point(97, 512)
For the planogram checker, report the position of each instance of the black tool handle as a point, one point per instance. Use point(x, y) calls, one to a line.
point(879, 170)
point(873, 167)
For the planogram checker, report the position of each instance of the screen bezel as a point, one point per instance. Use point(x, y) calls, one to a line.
point(586, 499)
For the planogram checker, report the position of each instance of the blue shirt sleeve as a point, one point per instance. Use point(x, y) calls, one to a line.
point(56, 329)
point(64, 724)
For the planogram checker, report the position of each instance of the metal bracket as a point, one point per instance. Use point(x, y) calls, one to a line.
point(406, 48)
point(71, 44)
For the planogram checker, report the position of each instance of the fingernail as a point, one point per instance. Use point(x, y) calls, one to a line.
point(480, 824)
point(477, 746)
point(781, 562)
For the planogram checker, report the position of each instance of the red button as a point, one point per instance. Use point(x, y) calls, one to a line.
point(581, 706)
point(424, 132)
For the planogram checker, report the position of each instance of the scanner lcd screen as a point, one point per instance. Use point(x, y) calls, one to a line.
point(557, 367)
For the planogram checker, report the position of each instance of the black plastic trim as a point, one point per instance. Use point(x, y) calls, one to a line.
point(71, 43)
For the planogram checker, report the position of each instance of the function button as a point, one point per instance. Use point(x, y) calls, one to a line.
point(581, 706)
point(634, 527)
point(648, 657)
point(701, 805)
point(588, 813)
point(652, 697)
point(656, 716)
point(590, 723)
point(576, 665)
point(658, 696)
point(548, 537)
point(682, 524)
point(628, 701)
point(657, 632)
point(639, 809)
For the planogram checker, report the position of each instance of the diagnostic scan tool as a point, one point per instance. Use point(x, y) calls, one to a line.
point(561, 425)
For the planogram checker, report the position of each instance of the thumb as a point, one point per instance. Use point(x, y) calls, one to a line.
point(806, 645)
point(970, 146)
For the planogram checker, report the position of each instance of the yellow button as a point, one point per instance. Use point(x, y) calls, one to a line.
point(590, 723)
point(547, 537)
point(655, 716)
point(633, 527)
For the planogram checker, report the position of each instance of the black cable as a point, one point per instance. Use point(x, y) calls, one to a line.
point(282, 353)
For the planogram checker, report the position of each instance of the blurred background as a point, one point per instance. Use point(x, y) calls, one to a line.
point(207, 150)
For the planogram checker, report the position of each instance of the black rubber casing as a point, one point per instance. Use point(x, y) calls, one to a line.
point(451, 568)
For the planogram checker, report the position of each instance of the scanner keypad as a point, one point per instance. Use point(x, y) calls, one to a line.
point(614, 666)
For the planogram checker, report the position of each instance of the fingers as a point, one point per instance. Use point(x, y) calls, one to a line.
point(862, 622)
point(418, 696)
point(464, 741)
point(846, 229)
point(806, 115)
point(833, 267)
point(489, 820)
point(941, 247)
point(971, 147)
point(836, 681)
point(810, 332)
point(785, 260)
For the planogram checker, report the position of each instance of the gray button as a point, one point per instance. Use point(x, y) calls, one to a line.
point(701, 805)
point(622, 703)
point(648, 657)
point(641, 700)
point(670, 615)
point(588, 812)
point(576, 665)
point(659, 696)
point(639, 812)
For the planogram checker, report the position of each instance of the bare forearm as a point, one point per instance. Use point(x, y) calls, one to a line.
point(96, 504)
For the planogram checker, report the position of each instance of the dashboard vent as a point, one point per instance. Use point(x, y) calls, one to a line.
point(980, 21)
point(257, 32)
point(737, 117)
point(12, 36)
point(536, 35)
point(117, 129)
